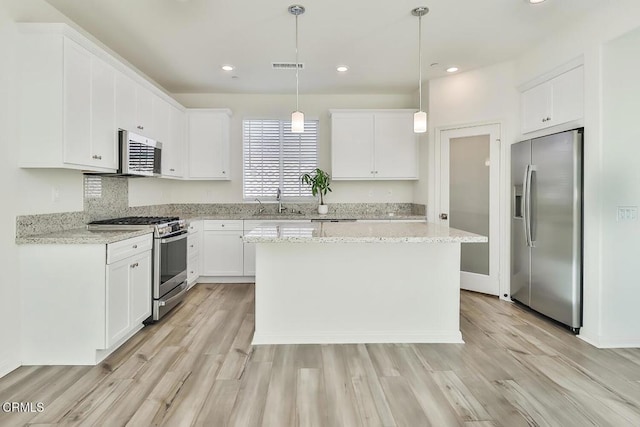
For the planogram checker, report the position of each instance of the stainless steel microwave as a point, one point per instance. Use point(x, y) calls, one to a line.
point(139, 155)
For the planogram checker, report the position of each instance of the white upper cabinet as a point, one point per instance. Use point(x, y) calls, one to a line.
point(396, 146)
point(554, 102)
point(134, 107)
point(76, 88)
point(104, 138)
point(208, 143)
point(160, 119)
point(352, 136)
point(373, 144)
point(144, 112)
point(173, 148)
point(126, 103)
point(66, 105)
point(73, 97)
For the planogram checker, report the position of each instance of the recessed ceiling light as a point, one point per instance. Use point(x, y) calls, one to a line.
point(342, 68)
point(536, 1)
point(228, 67)
point(452, 69)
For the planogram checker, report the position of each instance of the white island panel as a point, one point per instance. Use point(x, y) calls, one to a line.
point(357, 293)
point(358, 283)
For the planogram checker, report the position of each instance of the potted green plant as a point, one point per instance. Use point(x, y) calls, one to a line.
point(319, 181)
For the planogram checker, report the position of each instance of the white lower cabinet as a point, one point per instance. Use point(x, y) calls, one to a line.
point(194, 241)
point(81, 301)
point(128, 295)
point(222, 248)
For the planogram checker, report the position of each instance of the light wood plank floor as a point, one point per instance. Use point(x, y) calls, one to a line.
point(197, 367)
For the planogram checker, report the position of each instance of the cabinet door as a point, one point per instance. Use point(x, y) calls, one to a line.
point(249, 250)
point(160, 124)
point(222, 253)
point(352, 137)
point(568, 96)
point(208, 145)
point(144, 112)
point(125, 103)
point(104, 136)
point(396, 146)
point(118, 309)
point(173, 150)
point(140, 282)
point(536, 108)
point(77, 104)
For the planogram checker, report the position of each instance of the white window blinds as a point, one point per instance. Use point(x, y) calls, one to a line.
point(274, 157)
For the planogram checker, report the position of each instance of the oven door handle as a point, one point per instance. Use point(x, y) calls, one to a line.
point(174, 238)
point(179, 295)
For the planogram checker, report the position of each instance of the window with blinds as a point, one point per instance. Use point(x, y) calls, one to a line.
point(274, 157)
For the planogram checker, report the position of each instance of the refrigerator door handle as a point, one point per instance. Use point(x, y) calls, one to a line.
point(531, 214)
point(525, 206)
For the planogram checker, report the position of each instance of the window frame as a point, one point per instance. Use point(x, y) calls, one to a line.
point(290, 199)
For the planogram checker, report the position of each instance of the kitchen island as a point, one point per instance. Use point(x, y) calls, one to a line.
point(355, 282)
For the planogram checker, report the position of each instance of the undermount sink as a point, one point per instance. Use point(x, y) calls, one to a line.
point(282, 214)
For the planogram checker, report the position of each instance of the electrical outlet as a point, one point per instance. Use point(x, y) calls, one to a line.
point(627, 213)
point(55, 194)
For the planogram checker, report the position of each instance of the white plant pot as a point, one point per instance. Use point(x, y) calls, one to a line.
point(323, 209)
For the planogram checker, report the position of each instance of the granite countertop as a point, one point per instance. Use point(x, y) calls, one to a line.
point(80, 236)
point(354, 232)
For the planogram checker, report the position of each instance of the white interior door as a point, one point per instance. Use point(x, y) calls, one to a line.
point(469, 200)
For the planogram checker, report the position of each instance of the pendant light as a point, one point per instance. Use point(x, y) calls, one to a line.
point(420, 118)
point(297, 117)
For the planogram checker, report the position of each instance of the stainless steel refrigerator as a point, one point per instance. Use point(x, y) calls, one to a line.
point(546, 226)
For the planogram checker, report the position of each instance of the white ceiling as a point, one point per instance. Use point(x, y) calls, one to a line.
point(183, 43)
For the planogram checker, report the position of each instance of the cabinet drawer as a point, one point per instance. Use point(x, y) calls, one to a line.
point(126, 248)
point(194, 227)
point(193, 244)
point(212, 225)
point(193, 268)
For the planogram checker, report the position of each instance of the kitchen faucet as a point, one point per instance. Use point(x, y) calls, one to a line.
point(261, 209)
point(280, 208)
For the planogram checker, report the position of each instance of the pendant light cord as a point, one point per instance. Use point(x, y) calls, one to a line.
point(297, 65)
point(420, 60)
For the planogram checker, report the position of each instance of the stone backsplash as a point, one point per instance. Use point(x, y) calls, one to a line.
point(108, 197)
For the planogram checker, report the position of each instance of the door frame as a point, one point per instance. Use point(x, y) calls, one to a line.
point(433, 206)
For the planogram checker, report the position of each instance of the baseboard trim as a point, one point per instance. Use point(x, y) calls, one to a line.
point(612, 342)
point(359, 338)
point(8, 367)
point(226, 279)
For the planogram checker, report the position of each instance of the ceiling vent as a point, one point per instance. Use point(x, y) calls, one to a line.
point(286, 66)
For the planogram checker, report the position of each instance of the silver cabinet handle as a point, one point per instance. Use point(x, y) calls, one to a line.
point(172, 170)
point(97, 157)
point(140, 127)
point(190, 246)
point(134, 265)
point(135, 246)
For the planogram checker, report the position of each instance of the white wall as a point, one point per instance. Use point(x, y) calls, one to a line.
point(608, 318)
point(620, 185)
point(23, 191)
point(482, 96)
point(275, 106)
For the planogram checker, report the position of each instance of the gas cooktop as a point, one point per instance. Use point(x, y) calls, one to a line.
point(136, 220)
point(163, 226)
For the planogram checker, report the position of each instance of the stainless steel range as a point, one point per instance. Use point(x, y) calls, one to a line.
point(169, 257)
